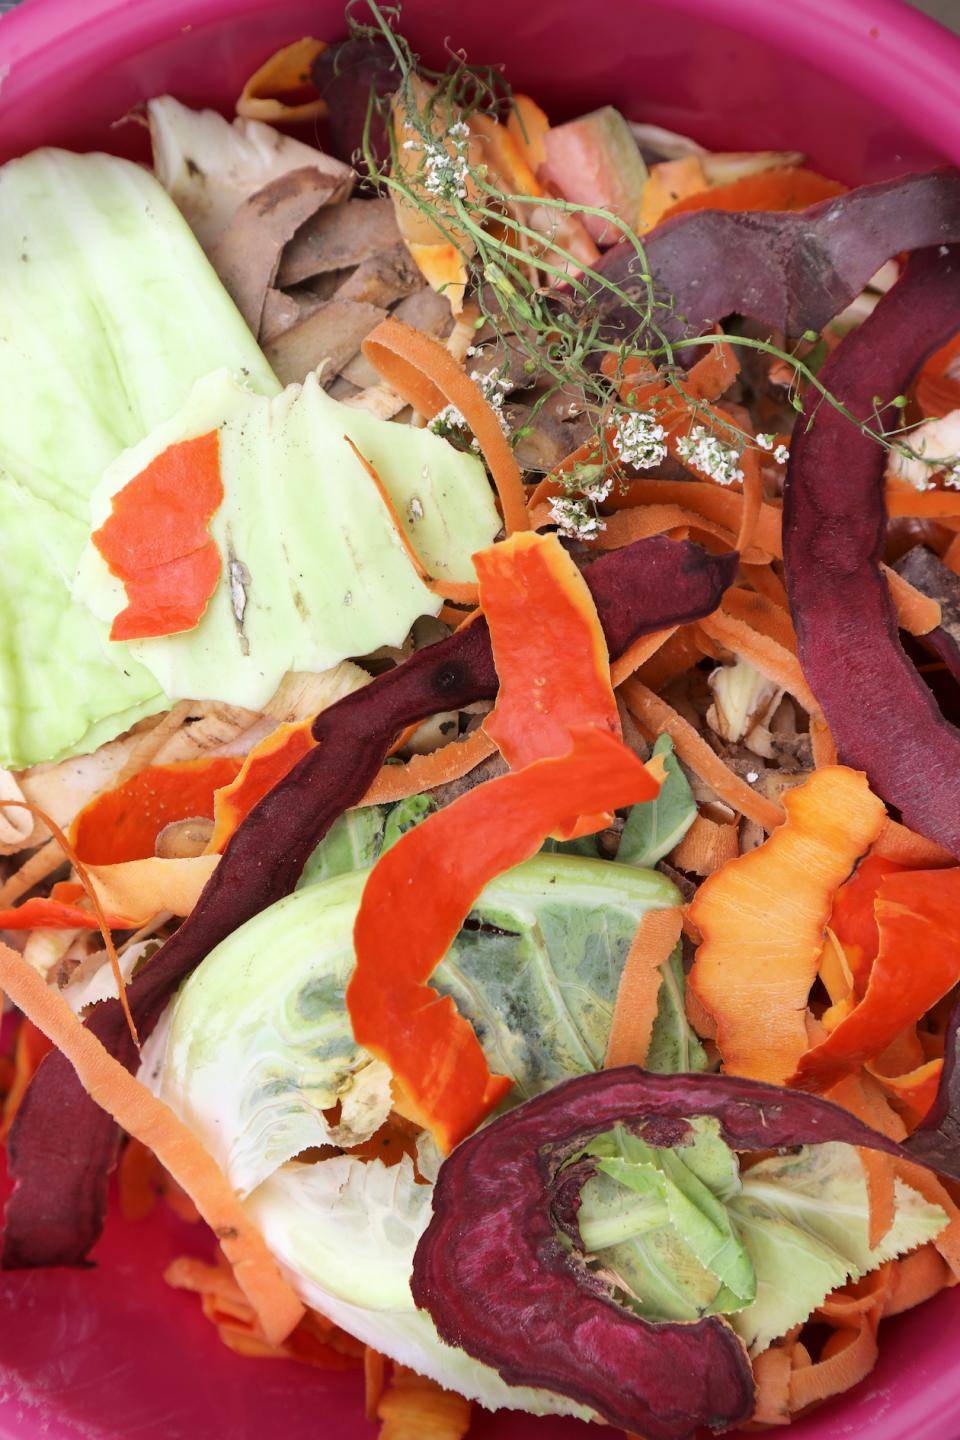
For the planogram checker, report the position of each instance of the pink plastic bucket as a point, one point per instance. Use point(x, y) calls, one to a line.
point(868, 88)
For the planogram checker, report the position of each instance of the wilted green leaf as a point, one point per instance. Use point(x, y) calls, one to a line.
point(654, 827)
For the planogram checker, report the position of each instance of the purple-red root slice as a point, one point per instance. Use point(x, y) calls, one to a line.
point(499, 1282)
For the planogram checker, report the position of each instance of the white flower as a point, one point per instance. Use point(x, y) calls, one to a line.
point(710, 455)
point(446, 168)
point(781, 454)
point(766, 441)
point(640, 440)
point(574, 518)
point(952, 477)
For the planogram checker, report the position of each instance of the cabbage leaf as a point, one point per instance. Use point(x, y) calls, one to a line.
point(653, 828)
point(312, 568)
point(109, 311)
point(260, 1044)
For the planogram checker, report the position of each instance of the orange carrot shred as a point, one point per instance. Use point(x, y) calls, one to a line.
point(707, 846)
point(374, 1378)
point(421, 370)
point(658, 718)
point(762, 919)
point(635, 1009)
point(639, 654)
point(415, 1408)
point(763, 653)
point(426, 772)
point(157, 540)
point(460, 592)
point(789, 187)
point(917, 963)
point(104, 921)
point(772, 1370)
point(148, 1119)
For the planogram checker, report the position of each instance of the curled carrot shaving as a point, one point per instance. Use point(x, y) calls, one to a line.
point(863, 1098)
point(540, 699)
point(374, 1380)
point(58, 911)
point(763, 614)
point(765, 654)
point(917, 962)
point(723, 507)
point(656, 717)
point(315, 1341)
point(916, 612)
point(628, 525)
point(707, 846)
point(419, 368)
point(790, 187)
point(415, 1408)
point(460, 592)
point(269, 93)
point(847, 1358)
point(921, 504)
point(426, 772)
point(264, 767)
point(896, 842)
point(765, 580)
point(762, 919)
point(123, 823)
point(157, 540)
point(639, 654)
point(146, 1118)
point(436, 1059)
point(915, 1278)
point(771, 1374)
point(635, 1008)
point(103, 921)
point(680, 652)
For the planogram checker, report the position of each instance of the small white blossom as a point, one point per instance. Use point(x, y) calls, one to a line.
point(446, 168)
point(952, 477)
point(710, 455)
point(597, 489)
point(766, 441)
point(640, 440)
point(781, 454)
point(450, 420)
point(574, 518)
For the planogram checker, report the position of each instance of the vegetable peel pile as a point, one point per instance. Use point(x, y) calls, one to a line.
point(487, 623)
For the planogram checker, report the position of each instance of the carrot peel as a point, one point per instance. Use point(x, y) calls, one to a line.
point(156, 540)
point(762, 918)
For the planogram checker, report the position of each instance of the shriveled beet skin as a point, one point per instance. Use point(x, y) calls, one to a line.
point(497, 1281)
point(62, 1145)
point(883, 718)
point(346, 75)
point(791, 271)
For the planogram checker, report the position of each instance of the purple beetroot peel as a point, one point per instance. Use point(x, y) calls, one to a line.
point(497, 1280)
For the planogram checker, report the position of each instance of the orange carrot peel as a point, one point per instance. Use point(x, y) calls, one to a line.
point(428, 377)
point(145, 1117)
point(157, 540)
point(123, 823)
point(917, 915)
point(762, 918)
